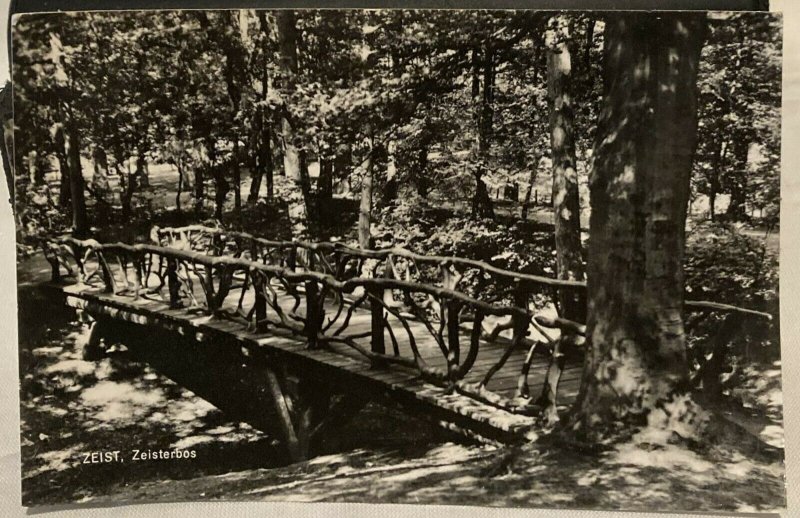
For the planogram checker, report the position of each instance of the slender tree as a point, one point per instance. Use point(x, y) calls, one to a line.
point(483, 99)
point(566, 202)
point(365, 206)
point(287, 43)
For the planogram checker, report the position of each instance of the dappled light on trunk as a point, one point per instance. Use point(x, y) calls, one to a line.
point(636, 361)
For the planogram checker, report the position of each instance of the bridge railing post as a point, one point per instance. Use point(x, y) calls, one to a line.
point(521, 301)
point(173, 283)
point(108, 279)
point(260, 304)
point(378, 345)
point(453, 338)
point(313, 305)
point(216, 245)
point(209, 289)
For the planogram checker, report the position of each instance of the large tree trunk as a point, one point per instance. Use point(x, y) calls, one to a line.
point(636, 359)
point(287, 43)
point(566, 201)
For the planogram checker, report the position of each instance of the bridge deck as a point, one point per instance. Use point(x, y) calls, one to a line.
point(453, 410)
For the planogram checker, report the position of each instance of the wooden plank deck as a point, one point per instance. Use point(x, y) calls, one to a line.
point(349, 367)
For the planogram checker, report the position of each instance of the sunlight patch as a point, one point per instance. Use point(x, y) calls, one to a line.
point(121, 400)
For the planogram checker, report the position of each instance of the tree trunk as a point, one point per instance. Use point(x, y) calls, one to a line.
point(80, 221)
point(287, 43)
point(64, 198)
point(237, 179)
point(365, 208)
point(587, 51)
point(566, 201)
point(738, 184)
point(636, 360)
point(262, 153)
point(7, 145)
point(713, 183)
point(324, 188)
point(526, 203)
point(40, 165)
point(423, 182)
point(481, 201)
point(391, 187)
point(141, 174)
point(141, 168)
point(221, 186)
point(199, 189)
point(179, 163)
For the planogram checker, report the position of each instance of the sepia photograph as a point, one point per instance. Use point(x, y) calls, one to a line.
point(507, 258)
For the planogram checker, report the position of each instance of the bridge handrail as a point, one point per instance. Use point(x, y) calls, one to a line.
point(446, 322)
point(380, 254)
point(384, 253)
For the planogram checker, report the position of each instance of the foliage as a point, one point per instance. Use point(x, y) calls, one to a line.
point(739, 115)
point(725, 265)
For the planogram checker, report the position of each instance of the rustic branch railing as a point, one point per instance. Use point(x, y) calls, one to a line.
point(284, 285)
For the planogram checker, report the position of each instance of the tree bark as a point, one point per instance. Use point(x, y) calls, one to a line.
point(526, 203)
point(639, 187)
point(481, 201)
point(296, 200)
point(199, 189)
point(587, 51)
point(80, 221)
point(64, 197)
point(423, 182)
point(263, 165)
point(713, 182)
point(324, 188)
point(365, 207)
point(738, 184)
point(237, 179)
point(566, 201)
point(179, 163)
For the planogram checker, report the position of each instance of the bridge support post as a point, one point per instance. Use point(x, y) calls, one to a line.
point(303, 407)
point(93, 350)
point(285, 425)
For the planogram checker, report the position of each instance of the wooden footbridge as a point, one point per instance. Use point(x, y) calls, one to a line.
point(323, 327)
